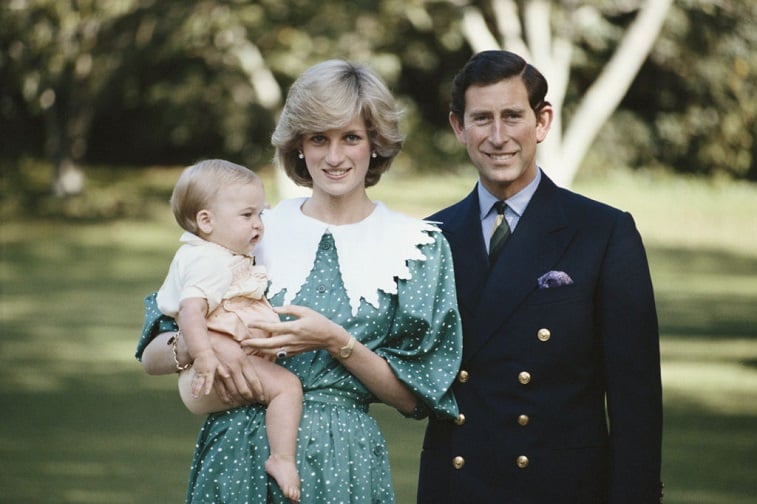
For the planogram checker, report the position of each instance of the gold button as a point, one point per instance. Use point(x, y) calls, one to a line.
point(463, 376)
point(458, 462)
point(523, 420)
point(460, 420)
point(522, 461)
point(543, 334)
point(524, 377)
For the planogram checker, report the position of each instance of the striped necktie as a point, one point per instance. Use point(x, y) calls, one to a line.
point(500, 233)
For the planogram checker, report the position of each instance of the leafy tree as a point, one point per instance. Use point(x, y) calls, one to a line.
point(60, 67)
point(151, 75)
point(198, 87)
point(140, 81)
point(697, 95)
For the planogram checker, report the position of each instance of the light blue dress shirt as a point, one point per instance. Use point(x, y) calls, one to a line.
point(516, 205)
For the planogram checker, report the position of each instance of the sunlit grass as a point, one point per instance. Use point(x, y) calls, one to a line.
point(714, 374)
point(683, 212)
point(82, 423)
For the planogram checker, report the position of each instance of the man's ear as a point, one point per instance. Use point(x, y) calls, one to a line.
point(204, 221)
point(458, 127)
point(544, 122)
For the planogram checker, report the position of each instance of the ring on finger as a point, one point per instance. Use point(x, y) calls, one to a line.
point(281, 353)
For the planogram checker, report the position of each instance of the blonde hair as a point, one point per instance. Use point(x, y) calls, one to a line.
point(199, 184)
point(328, 96)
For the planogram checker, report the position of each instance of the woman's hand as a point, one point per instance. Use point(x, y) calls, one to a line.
point(312, 331)
point(237, 379)
point(308, 331)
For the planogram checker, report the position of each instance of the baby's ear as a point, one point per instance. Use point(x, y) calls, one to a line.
point(204, 221)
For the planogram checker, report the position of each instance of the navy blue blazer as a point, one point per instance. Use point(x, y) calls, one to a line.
point(559, 388)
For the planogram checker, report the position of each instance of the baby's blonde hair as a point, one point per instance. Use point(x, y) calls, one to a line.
point(199, 184)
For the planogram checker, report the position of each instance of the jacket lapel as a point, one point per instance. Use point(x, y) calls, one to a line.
point(537, 244)
point(462, 228)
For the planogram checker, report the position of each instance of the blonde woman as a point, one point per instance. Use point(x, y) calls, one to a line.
point(367, 296)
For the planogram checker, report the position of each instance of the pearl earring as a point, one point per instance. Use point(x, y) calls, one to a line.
point(374, 155)
point(301, 155)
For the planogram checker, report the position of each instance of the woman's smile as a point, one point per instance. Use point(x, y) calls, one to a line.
point(336, 172)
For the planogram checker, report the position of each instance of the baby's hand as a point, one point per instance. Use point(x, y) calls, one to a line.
point(205, 365)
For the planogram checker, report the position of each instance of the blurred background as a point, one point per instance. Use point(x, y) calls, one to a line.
point(103, 101)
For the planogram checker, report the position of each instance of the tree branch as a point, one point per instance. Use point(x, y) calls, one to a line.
point(537, 20)
point(476, 32)
point(508, 23)
point(605, 94)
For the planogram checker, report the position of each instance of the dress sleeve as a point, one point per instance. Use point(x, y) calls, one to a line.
point(425, 345)
point(155, 323)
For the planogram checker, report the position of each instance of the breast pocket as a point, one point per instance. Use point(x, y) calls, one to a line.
point(566, 315)
point(563, 294)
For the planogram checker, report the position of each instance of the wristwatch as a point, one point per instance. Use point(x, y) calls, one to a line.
point(346, 350)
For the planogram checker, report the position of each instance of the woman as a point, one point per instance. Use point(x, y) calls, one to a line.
point(368, 301)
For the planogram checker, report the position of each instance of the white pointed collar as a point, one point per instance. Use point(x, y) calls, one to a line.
point(372, 253)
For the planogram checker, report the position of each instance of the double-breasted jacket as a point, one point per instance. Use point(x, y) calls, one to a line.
point(559, 390)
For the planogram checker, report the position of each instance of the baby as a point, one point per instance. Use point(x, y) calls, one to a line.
point(213, 284)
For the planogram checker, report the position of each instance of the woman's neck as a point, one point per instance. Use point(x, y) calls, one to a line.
point(340, 210)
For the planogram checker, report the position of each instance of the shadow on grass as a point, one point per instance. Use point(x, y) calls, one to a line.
point(708, 458)
point(124, 439)
point(95, 439)
point(708, 294)
point(83, 424)
point(708, 323)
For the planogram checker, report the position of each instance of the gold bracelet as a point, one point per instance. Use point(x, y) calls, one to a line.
point(173, 341)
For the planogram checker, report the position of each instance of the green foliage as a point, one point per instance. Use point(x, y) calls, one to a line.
point(113, 192)
point(693, 107)
point(146, 82)
point(82, 423)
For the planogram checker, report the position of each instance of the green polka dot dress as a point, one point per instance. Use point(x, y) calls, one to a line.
point(388, 281)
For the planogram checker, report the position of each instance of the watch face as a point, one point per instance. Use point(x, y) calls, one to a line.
point(346, 351)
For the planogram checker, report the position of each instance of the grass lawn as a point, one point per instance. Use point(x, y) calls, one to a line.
point(82, 423)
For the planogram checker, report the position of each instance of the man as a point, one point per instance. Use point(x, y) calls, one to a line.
point(559, 389)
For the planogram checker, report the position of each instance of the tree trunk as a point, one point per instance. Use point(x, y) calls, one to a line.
point(69, 179)
point(605, 94)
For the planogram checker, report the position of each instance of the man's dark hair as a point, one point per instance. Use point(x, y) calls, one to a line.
point(490, 67)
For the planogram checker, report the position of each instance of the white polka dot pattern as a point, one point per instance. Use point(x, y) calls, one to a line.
point(342, 455)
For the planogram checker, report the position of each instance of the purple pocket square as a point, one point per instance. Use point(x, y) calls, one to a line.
point(553, 279)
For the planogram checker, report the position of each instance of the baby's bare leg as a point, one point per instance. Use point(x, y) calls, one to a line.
point(284, 395)
point(205, 403)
